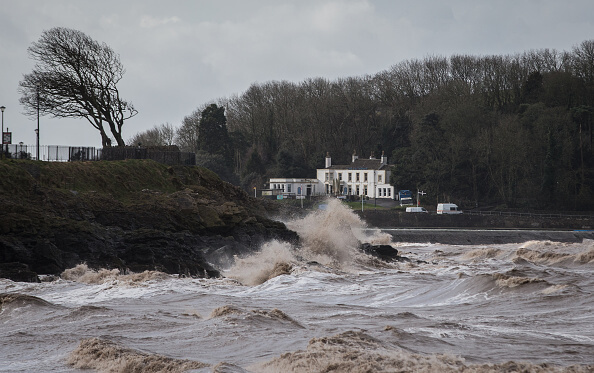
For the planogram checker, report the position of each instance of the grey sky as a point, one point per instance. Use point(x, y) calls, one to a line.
point(180, 54)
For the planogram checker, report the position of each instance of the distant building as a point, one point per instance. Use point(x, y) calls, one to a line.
point(362, 177)
point(291, 187)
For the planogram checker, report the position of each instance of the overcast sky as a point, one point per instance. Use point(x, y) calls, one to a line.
point(180, 54)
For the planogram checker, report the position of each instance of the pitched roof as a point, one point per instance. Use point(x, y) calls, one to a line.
point(362, 164)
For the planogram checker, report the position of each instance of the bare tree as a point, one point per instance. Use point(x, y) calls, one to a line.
point(76, 77)
point(186, 136)
point(162, 135)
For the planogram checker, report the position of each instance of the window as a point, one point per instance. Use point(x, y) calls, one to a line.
point(340, 176)
point(350, 177)
point(379, 178)
point(357, 178)
point(389, 192)
point(288, 188)
point(364, 176)
point(357, 190)
point(365, 190)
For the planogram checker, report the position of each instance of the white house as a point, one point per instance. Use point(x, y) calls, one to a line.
point(363, 177)
point(291, 187)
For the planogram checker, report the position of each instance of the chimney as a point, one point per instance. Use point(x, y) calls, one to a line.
point(384, 159)
point(328, 160)
point(355, 157)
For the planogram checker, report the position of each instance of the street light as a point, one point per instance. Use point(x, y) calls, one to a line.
point(2, 108)
point(37, 130)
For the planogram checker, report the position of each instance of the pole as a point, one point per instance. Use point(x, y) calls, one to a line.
point(419, 194)
point(37, 123)
point(361, 197)
point(2, 108)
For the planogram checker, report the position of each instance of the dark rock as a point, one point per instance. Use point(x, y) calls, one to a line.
point(384, 252)
point(18, 272)
point(187, 231)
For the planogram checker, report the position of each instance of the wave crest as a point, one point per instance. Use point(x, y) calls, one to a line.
point(513, 281)
point(19, 300)
point(330, 236)
point(358, 352)
point(82, 273)
point(107, 356)
point(274, 259)
point(483, 253)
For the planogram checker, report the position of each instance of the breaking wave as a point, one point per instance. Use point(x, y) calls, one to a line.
point(254, 316)
point(329, 239)
point(107, 356)
point(82, 273)
point(224, 311)
point(514, 281)
point(357, 352)
point(274, 259)
point(483, 253)
point(13, 300)
point(551, 253)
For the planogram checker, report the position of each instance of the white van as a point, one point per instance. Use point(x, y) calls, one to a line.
point(448, 208)
point(417, 209)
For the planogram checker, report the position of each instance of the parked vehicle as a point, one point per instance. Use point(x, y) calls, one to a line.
point(448, 208)
point(417, 209)
point(405, 197)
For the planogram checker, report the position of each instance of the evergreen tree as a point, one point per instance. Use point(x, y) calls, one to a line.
point(213, 137)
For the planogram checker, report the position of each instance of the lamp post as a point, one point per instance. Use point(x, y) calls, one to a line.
point(2, 109)
point(37, 130)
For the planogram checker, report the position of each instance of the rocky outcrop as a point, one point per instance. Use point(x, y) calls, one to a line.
point(183, 226)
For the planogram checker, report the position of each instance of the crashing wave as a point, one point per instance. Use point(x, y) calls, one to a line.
point(357, 352)
point(107, 356)
point(82, 273)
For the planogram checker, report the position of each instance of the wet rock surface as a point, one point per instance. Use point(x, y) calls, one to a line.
point(45, 230)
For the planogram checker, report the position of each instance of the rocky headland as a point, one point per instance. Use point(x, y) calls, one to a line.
point(132, 215)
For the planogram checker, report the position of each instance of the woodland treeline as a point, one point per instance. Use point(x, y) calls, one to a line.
point(512, 131)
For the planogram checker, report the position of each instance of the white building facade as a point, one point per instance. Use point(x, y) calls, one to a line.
point(295, 187)
point(363, 177)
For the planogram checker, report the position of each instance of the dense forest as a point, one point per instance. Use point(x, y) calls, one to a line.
point(511, 131)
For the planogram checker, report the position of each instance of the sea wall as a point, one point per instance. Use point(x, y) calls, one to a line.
point(466, 229)
point(395, 219)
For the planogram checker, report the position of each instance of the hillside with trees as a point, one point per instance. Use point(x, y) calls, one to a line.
point(511, 130)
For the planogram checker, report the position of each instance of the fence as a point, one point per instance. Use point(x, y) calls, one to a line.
point(166, 155)
point(59, 153)
point(52, 153)
point(528, 214)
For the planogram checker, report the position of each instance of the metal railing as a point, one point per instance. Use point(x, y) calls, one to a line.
point(61, 153)
point(52, 153)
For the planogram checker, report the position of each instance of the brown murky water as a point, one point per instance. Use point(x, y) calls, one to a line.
point(318, 308)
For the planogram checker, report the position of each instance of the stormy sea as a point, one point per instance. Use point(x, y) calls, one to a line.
point(324, 306)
